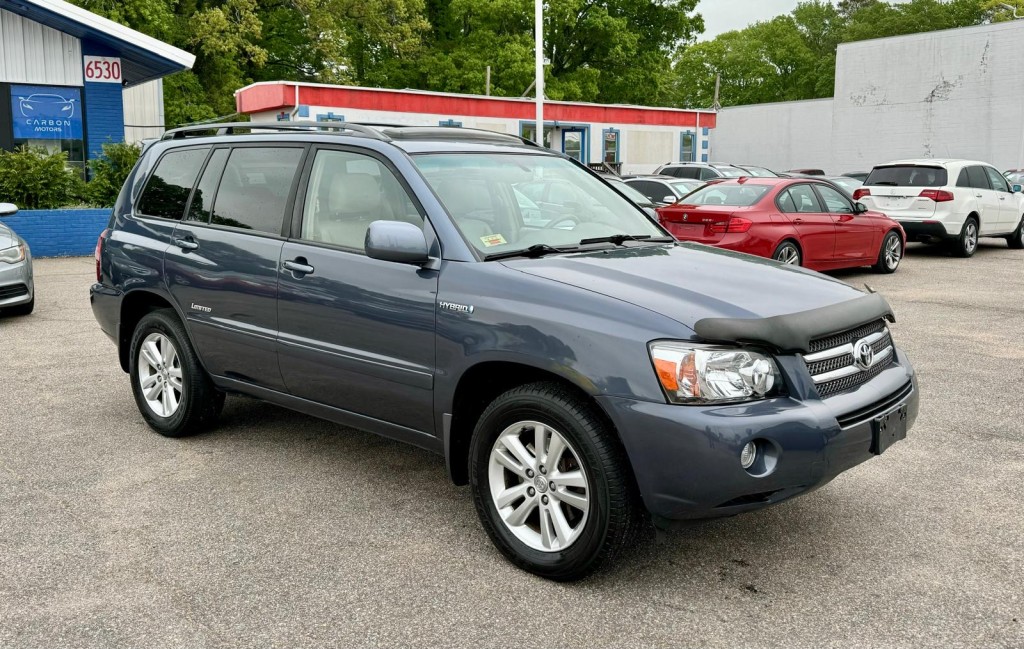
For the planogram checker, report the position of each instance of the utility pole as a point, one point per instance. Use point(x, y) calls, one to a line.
point(538, 16)
point(487, 86)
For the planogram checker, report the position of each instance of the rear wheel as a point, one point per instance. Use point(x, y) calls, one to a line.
point(787, 253)
point(551, 483)
point(1016, 240)
point(967, 243)
point(890, 255)
point(171, 388)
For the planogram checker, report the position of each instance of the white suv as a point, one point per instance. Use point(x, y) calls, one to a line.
point(947, 200)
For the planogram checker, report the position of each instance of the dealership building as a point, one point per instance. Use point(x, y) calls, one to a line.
point(631, 139)
point(72, 81)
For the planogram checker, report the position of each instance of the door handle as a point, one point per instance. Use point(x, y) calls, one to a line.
point(186, 244)
point(977, 195)
point(299, 266)
point(798, 221)
point(1002, 198)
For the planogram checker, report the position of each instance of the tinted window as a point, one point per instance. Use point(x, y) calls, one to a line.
point(629, 192)
point(202, 199)
point(804, 199)
point(649, 189)
point(834, 201)
point(734, 195)
point(907, 176)
point(786, 203)
point(168, 188)
point(976, 177)
point(996, 179)
point(348, 191)
point(683, 172)
point(254, 188)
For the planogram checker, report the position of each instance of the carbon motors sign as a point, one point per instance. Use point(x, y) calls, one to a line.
point(46, 113)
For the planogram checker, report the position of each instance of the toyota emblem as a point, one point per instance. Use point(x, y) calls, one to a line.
point(863, 354)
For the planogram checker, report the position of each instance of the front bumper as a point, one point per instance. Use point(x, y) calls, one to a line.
point(16, 285)
point(686, 459)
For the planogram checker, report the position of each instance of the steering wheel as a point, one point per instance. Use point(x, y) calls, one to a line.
point(562, 219)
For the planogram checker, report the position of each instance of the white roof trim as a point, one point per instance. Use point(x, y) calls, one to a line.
point(116, 30)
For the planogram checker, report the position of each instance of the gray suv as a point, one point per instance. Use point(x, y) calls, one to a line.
point(582, 371)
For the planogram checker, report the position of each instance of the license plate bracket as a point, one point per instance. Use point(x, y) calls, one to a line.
point(888, 429)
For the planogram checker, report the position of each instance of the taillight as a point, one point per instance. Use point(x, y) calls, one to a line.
point(99, 253)
point(860, 193)
point(735, 225)
point(937, 195)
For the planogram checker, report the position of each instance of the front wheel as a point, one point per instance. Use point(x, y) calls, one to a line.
point(551, 483)
point(1016, 240)
point(787, 253)
point(966, 244)
point(890, 254)
point(171, 388)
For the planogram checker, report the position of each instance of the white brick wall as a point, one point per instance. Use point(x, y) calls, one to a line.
point(778, 136)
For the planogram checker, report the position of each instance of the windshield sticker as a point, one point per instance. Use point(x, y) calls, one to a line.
point(493, 240)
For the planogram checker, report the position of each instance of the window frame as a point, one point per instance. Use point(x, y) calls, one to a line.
point(823, 203)
point(789, 190)
point(992, 174)
point(294, 229)
point(199, 180)
point(137, 201)
point(984, 176)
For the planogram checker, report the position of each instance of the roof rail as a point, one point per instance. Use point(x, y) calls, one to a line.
point(229, 128)
point(412, 132)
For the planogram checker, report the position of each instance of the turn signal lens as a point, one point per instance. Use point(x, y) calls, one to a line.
point(692, 374)
point(860, 193)
point(937, 195)
point(735, 224)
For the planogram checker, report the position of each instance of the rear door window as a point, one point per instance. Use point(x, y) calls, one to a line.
point(908, 176)
point(202, 198)
point(255, 187)
point(804, 199)
point(169, 187)
point(977, 178)
point(786, 203)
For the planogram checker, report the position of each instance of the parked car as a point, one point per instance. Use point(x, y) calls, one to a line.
point(17, 290)
point(807, 172)
point(646, 203)
point(949, 201)
point(1014, 177)
point(758, 171)
point(799, 221)
point(845, 183)
point(700, 170)
point(663, 190)
point(858, 175)
point(577, 379)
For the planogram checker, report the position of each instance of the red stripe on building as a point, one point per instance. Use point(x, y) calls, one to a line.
point(259, 98)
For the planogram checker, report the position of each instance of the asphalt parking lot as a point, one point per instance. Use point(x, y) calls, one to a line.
point(279, 530)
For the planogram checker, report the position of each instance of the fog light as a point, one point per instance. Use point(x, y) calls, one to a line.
point(748, 455)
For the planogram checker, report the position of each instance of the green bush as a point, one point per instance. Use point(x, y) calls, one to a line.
point(109, 172)
point(34, 179)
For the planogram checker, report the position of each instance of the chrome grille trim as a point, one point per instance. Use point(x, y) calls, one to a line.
point(830, 360)
point(850, 370)
point(844, 349)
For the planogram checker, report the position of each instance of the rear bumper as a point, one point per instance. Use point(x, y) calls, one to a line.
point(686, 459)
point(106, 307)
point(926, 230)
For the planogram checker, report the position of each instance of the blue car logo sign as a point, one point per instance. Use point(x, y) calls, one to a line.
point(46, 113)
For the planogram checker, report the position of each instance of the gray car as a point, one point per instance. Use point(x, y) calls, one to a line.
point(582, 371)
point(17, 293)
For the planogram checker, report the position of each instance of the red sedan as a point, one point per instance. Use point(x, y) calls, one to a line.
point(798, 221)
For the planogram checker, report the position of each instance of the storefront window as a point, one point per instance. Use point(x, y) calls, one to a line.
point(529, 131)
point(49, 117)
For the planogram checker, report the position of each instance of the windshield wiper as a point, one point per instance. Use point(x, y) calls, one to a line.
point(536, 250)
point(619, 239)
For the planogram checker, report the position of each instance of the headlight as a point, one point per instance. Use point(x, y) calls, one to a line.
point(693, 374)
point(13, 255)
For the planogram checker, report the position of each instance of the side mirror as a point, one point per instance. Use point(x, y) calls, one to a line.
point(669, 199)
point(859, 208)
point(8, 209)
point(1016, 189)
point(396, 241)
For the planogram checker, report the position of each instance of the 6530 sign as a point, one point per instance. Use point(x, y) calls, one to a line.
point(102, 69)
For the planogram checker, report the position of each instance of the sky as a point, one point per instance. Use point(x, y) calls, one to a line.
point(727, 15)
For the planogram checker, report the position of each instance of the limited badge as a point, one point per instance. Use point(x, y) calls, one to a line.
point(493, 240)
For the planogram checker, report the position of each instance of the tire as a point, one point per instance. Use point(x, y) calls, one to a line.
point(966, 244)
point(21, 309)
point(890, 254)
point(1016, 240)
point(592, 468)
point(788, 253)
point(194, 404)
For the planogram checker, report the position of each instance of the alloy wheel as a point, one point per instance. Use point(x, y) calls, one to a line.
point(788, 255)
point(971, 237)
point(893, 252)
point(539, 486)
point(160, 375)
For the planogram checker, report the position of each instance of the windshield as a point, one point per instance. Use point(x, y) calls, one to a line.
point(684, 187)
point(505, 202)
point(630, 193)
point(733, 195)
point(761, 172)
point(907, 176)
point(732, 172)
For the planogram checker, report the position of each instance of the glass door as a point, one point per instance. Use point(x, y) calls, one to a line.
point(573, 143)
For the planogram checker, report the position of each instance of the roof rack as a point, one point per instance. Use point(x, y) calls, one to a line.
point(230, 128)
point(410, 132)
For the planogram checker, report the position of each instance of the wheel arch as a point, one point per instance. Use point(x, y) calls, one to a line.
point(134, 306)
point(478, 386)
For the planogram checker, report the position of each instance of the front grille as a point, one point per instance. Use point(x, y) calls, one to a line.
point(831, 363)
point(12, 291)
point(876, 409)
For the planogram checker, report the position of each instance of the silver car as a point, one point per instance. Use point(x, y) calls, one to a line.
point(17, 293)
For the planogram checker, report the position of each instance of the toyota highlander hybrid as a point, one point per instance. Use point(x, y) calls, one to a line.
point(581, 370)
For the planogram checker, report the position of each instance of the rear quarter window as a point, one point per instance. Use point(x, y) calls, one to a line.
point(168, 188)
point(908, 176)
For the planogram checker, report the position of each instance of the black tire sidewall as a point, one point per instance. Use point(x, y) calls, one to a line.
point(882, 266)
point(163, 323)
point(576, 559)
point(789, 244)
point(961, 241)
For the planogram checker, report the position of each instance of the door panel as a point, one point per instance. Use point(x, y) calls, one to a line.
point(1008, 217)
point(856, 235)
point(814, 226)
point(356, 333)
point(986, 200)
